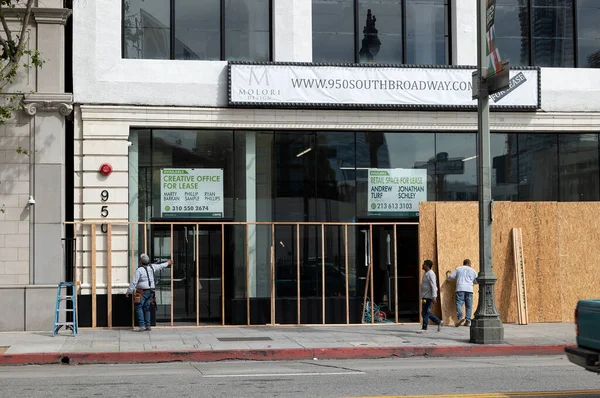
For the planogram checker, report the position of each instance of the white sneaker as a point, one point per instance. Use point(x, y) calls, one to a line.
point(440, 325)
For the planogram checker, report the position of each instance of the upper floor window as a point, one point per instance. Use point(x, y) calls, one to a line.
point(197, 30)
point(553, 33)
point(381, 31)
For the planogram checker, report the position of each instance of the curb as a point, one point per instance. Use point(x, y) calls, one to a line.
point(286, 354)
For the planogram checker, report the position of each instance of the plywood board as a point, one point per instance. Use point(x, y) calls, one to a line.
point(579, 250)
point(457, 232)
point(427, 243)
point(520, 278)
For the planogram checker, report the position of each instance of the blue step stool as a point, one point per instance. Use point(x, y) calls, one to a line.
point(68, 297)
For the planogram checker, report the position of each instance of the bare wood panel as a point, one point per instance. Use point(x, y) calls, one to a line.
point(346, 272)
point(457, 226)
point(272, 275)
point(172, 267)
point(395, 274)
point(520, 279)
point(222, 274)
point(371, 272)
point(247, 277)
point(323, 273)
point(427, 244)
point(132, 271)
point(579, 250)
point(298, 269)
point(197, 238)
point(93, 237)
point(109, 273)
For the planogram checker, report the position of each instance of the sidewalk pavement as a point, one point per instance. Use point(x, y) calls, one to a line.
point(274, 343)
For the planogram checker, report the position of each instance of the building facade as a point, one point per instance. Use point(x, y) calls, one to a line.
point(185, 104)
point(34, 175)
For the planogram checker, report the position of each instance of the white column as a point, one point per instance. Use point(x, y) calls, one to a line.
point(292, 30)
point(464, 32)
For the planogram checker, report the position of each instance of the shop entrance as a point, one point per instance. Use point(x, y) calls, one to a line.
point(193, 246)
point(381, 242)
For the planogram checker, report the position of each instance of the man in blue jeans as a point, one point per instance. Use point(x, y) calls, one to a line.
point(465, 276)
point(428, 296)
point(143, 279)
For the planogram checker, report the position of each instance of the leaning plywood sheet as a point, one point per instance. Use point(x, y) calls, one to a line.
point(579, 237)
point(457, 230)
point(539, 224)
point(519, 263)
point(427, 245)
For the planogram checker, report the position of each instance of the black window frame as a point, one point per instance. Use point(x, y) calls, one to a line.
point(223, 43)
point(358, 33)
point(575, 24)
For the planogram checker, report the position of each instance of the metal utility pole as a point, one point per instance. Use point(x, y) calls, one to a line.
point(486, 328)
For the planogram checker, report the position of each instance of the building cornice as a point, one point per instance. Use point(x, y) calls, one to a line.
point(51, 15)
point(181, 117)
point(41, 15)
point(46, 102)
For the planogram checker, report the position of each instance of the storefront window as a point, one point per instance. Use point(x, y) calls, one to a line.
point(588, 33)
point(427, 32)
point(504, 167)
point(578, 167)
point(456, 166)
point(538, 167)
point(333, 31)
point(512, 31)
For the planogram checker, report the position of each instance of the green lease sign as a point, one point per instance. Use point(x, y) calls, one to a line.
point(396, 192)
point(191, 193)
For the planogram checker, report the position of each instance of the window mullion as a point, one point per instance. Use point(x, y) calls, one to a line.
point(222, 30)
point(530, 12)
point(403, 12)
point(357, 33)
point(172, 15)
point(575, 35)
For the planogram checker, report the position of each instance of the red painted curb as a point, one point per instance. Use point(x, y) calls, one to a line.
point(279, 354)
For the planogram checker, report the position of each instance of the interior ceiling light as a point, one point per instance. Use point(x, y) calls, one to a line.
point(304, 152)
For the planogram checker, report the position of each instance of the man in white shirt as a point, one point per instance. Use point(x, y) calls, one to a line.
point(428, 296)
point(143, 280)
point(465, 276)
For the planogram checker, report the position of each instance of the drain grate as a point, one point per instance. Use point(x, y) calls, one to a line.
point(244, 339)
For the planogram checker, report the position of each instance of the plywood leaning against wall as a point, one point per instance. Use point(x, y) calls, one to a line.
point(521, 290)
point(457, 232)
point(579, 250)
point(427, 243)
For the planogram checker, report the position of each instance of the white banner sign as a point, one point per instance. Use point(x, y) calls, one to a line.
point(191, 193)
point(316, 85)
point(396, 191)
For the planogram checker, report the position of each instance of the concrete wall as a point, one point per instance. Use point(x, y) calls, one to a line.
point(31, 249)
point(101, 76)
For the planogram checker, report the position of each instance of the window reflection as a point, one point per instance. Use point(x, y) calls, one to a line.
point(588, 32)
point(504, 167)
point(552, 40)
point(192, 30)
point(512, 31)
point(426, 32)
point(380, 22)
point(538, 167)
point(578, 167)
point(333, 31)
point(380, 31)
point(146, 31)
point(455, 166)
point(247, 30)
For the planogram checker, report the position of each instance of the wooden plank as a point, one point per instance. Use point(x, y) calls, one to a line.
point(323, 273)
point(132, 271)
point(395, 273)
point(172, 267)
point(248, 276)
point(298, 270)
point(109, 273)
point(371, 268)
point(272, 274)
point(346, 272)
point(520, 276)
point(93, 237)
point(222, 274)
point(197, 239)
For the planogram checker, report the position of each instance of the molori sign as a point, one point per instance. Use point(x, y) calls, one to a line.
point(317, 85)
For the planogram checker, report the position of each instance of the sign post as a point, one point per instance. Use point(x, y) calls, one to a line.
point(486, 328)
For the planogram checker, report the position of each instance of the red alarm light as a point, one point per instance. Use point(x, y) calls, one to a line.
point(105, 169)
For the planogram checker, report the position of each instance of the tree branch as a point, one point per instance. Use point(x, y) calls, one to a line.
point(24, 29)
point(7, 31)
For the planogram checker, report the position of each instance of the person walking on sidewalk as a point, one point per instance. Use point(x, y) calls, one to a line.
point(464, 276)
point(428, 296)
point(143, 284)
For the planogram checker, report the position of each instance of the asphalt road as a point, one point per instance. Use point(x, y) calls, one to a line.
point(343, 378)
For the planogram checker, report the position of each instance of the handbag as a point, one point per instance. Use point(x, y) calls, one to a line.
point(137, 296)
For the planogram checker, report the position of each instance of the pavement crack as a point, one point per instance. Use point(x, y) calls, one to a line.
point(331, 366)
point(197, 369)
